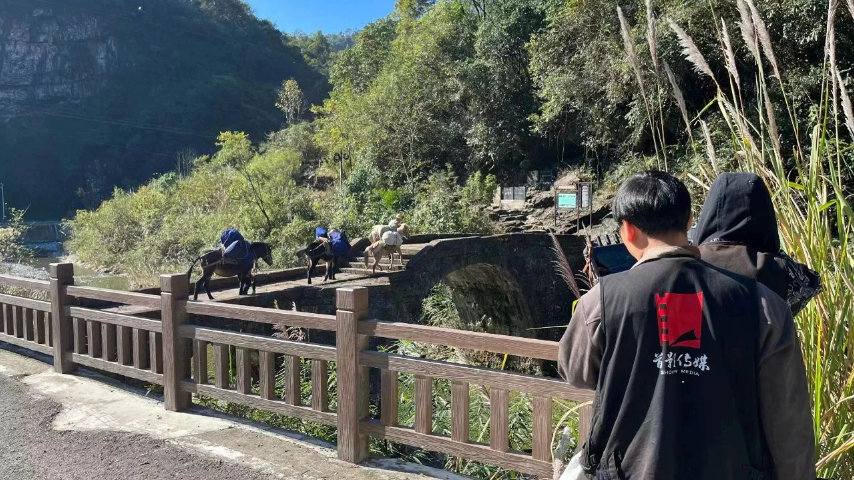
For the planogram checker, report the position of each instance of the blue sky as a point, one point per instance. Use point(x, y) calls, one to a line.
point(330, 16)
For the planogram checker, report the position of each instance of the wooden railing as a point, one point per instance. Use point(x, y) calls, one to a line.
point(173, 352)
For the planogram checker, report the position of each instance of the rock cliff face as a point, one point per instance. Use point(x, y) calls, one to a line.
point(48, 55)
point(96, 94)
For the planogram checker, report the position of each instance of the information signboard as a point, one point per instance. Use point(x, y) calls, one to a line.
point(585, 195)
point(567, 200)
point(577, 197)
point(547, 177)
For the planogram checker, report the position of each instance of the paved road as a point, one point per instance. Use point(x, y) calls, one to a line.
point(31, 449)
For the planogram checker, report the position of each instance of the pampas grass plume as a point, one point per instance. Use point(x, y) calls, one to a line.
point(748, 33)
point(729, 55)
point(764, 37)
point(690, 50)
point(680, 99)
point(710, 147)
point(630, 45)
point(650, 34)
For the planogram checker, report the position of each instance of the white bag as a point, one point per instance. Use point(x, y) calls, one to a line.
point(392, 239)
point(574, 471)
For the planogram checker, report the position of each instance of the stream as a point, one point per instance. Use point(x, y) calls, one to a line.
point(47, 253)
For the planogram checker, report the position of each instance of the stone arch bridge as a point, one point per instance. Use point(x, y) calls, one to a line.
point(502, 283)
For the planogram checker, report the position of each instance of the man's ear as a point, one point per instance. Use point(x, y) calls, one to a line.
point(690, 221)
point(630, 232)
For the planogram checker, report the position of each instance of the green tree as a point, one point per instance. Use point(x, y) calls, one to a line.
point(411, 117)
point(236, 151)
point(500, 87)
point(12, 248)
point(316, 49)
point(291, 101)
point(359, 65)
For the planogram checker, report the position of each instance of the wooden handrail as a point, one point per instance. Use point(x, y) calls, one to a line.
point(257, 342)
point(474, 451)
point(127, 298)
point(28, 283)
point(127, 371)
point(39, 305)
point(487, 342)
point(298, 411)
point(476, 375)
point(115, 319)
point(264, 315)
point(24, 343)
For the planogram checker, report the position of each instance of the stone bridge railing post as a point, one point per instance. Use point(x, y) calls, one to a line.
point(353, 386)
point(61, 276)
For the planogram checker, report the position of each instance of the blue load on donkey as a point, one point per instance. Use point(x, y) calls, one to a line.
point(340, 243)
point(236, 249)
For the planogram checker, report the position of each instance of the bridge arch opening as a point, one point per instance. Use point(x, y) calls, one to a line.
point(489, 299)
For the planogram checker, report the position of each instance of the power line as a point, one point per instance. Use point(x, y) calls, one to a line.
point(112, 145)
point(74, 112)
point(103, 144)
point(75, 116)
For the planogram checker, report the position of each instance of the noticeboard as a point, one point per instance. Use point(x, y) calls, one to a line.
point(575, 197)
point(547, 177)
point(585, 195)
point(567, 200)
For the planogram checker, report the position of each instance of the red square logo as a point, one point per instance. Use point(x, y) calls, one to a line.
point(680, 319)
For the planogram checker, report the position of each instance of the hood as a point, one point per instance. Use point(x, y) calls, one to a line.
point(739, 209)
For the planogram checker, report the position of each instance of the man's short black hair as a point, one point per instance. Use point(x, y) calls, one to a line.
point(655, 202)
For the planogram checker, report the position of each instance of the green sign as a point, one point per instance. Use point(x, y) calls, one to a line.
point(567, 200)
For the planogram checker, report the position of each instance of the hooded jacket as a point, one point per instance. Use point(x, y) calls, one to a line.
point(738, 232)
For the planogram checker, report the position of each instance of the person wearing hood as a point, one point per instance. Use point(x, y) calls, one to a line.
point(738, 232)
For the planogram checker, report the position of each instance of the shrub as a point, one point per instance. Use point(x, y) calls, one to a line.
point(12, 248)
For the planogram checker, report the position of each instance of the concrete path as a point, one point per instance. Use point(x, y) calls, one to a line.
point(86, 426)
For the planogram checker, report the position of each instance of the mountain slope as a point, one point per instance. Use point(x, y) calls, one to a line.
point(97, 93)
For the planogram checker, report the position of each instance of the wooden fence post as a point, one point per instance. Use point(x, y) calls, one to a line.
point(585, 423)
point(353, 387)
point(174, 291)
point(61, 276)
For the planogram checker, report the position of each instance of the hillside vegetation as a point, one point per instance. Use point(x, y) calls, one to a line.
point(163, 225)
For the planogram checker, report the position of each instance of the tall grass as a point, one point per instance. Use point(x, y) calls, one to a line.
point(813, 204)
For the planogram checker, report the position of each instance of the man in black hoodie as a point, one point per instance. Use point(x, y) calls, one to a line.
point(738, 232)
point(697, 371)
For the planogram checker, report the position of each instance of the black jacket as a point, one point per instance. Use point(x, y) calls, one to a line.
point(738, 232)
point(679, 372)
